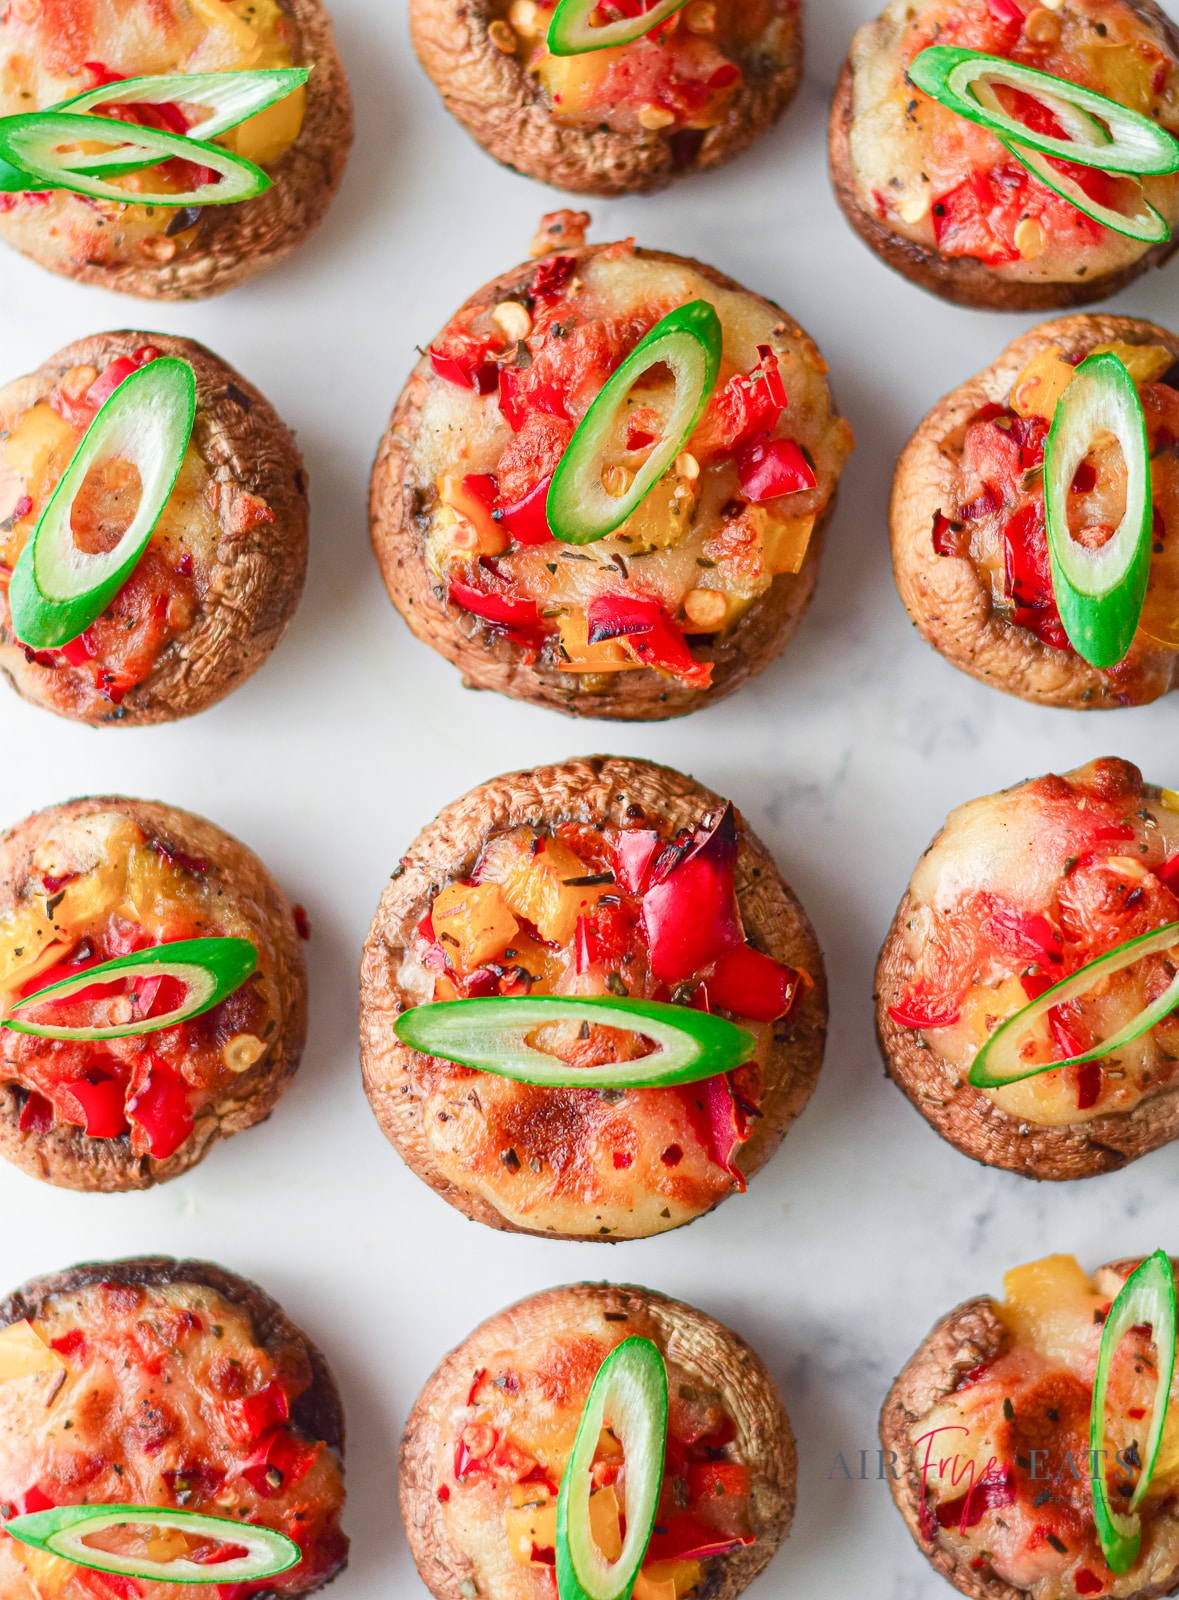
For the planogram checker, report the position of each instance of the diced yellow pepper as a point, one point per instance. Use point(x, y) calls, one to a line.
point(785, 541)
point(1038, 388)
point(530, 1526)
point(265, 137)
point(571, 82)
point(1169, 799)
point(605, 1522)
point(217, 14)
point(1145, 363)
point(1049, 1304)
point(157, 890)
point(170, 1544)
point(667, 1580)
point(473, 923)
point(23, 1352)
point(28, 945)
point(537, 877)
point(39, 442)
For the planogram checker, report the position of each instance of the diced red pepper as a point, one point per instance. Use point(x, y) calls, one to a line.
point(1086, 1582)
point(977, 218)
point(728, 1126)
point(160, 1108)
point(1006, 12)
point(522, 391)
point(1036, 983)
point(36, 1501)
point(248, 1419)
point(746, 409)
point(634, 851)
point(36, 1114)
point(516, 617)
point(279, 1462)
point(462, 359)
point(1169, 874)
point(107, 382)
point(949, 538)
point(551, 276)
point(1024, 936)
point(751, 984)
point(1088, 1085)
point(101, 1100)
point(689, 1538)
point(689, 911)
point(527, 519)
point(915, 1011)
point(80, 650)
point(713, 1480)
point(654, 638)
point(771, 467)
point(1028, 577)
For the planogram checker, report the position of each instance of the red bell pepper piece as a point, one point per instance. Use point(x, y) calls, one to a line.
point(771, 467)
point(521, 392)
point(101, 1099)
point(689, 912)
point(1036, 983)
point(248, 1419)
point(36, 1501)
point(967, 1510)
point(688, 1538)
point(1023, 936)
point(913, 1010)
point(107, 1585)
point(160, 1108)
point(753, 985)
point(747, 408)
point(107, 382)
point(634, 851)
point(978, 216)
point(653, 637)
point(36, 1114)
point(462, 359)
point(714, 1480)
point(728, 1126)
point(1007, 12)
point(551, 276)
point(518, 618)
point(278, 1462)
point(1088, 1084)
point(1028, 577)
point(1086, 1582)
point(80, 650)
point(527, 519)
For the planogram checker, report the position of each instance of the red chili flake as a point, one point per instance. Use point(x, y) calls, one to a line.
point(550, 276)
point(302, 922)
point(672, 1156)
point(622, 1160)
point(948, 537)
point(146, 353)
point(480, 1374)
point(1086, 1582)
point(1136, 1412)
point(980, 507)
point(36, 1114)
point(1088, 1085)
point(1085, 478)
point(443, 1493)
point(22, 507)
point(185, 565)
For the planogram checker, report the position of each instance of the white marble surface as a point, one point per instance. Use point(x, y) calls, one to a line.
point(845, 756)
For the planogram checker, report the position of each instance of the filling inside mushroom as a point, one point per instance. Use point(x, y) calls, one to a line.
point(681, 76)
point(1004, 1458)
point(504, 1450)
point(737, 507)
point(164, 594)
point(996, 518)
point(162, 1397)
point(44, 63)
point(950, 185)
point(580, 909)
point(97, 888)
point(1020, 890)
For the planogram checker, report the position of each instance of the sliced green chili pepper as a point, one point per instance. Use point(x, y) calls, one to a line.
point(1143, 223)
point(40, 150)
point(1099, 592)
point(571, 33)
point(1146, 1297)
point(1130, 143)
point(688, 340)
point(999, 1061)
point(64, 1530)
point(630, 1395)
point(211, 970)
point(57, 590)
point(493, 1035)
point(229, 98)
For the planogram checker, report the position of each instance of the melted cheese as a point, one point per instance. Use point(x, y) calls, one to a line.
point(906, 150)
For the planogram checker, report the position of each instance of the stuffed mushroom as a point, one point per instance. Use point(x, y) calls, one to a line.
point(1021, 1437)
point(153, 993)
point(1035, 516)
point(153, 536)
point(238, 112)
point(590, 1007)
point(1012, 154)
point(182, 1390)
point(605, 485)
point(612, 98)
point(1027, 995)
point(549, 1424)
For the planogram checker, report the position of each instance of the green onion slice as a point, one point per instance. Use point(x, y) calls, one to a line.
point(688, 340)
point(999, 1061)
point(210, 969)
point(492, 1034)
point(630, 1394)
point(964, 81)
point(57, 590)
point(1147, 1296)
point(228, 98)
point(43, 148)
point(1144, 222)
point(571, 34)
point(63, 1532)
point(1100, 592)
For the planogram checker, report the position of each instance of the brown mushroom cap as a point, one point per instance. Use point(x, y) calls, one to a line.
point(504, 108)
point(319, 1413)
point(962, 279)
point(967, 1337)
point(260, 566)
point(596, 789)
point(237, 242)
point(66, 1156)
point(400, 520)
point(944, 595)
point(972, 1122)
point(692, 1339)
